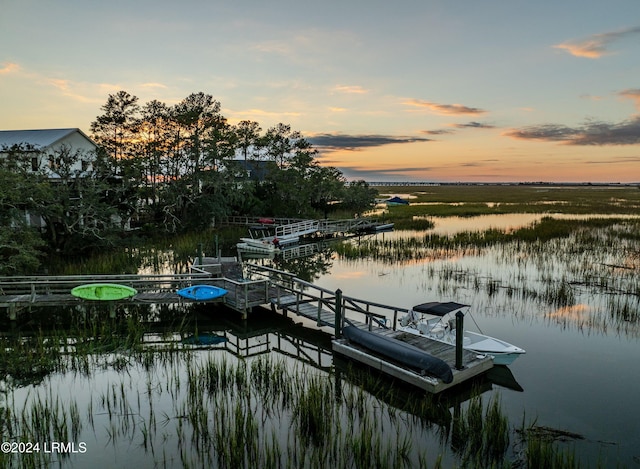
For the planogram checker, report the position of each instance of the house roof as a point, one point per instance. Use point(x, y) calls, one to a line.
point(38, 138)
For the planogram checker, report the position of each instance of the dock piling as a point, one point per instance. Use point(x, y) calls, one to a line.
point(459, 339)
point(338, 320)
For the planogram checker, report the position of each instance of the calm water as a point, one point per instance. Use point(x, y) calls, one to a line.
point(579, 374)
point(576, 377)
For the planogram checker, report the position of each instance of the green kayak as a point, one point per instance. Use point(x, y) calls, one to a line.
point(103, 291)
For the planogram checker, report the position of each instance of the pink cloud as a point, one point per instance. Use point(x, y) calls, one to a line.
point(448, 109)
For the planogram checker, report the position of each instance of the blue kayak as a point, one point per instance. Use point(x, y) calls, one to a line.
point(202, 292)
point(204, 339)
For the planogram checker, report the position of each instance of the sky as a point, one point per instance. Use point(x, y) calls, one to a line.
point(425, 90)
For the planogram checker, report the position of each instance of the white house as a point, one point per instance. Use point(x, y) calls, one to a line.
point(46, 143)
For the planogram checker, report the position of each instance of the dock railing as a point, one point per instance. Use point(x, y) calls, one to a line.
point(297, 229)
point(318, 303)
point(58, 285)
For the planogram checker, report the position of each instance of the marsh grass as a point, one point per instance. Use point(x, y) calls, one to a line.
point(211, 410)
point(583, 273)
point(171, 406)
point(546, 447)
point(450, 200)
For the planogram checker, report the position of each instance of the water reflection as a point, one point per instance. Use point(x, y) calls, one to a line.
point(504, 222)
point(571, 301)
point(160, 398)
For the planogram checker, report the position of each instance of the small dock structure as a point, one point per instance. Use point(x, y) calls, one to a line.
point(26, 292)
point(335, 310)
point(252, 285)
point(291, 228)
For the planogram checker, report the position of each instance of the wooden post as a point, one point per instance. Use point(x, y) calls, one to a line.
point(200, 254)
point(338, 318)
point(459, 339)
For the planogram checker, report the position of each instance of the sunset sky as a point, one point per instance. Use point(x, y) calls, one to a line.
point(466, 90)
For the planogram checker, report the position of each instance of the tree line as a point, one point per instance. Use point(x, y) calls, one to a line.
point(162, 169)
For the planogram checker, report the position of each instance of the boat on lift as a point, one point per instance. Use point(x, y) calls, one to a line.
point(437, 321)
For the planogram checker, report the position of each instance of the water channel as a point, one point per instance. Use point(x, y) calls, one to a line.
point(574, 309)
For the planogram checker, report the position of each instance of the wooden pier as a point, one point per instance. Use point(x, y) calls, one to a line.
point(259, 286)
point(297, 227)
point(334, 310)
point(26, 292)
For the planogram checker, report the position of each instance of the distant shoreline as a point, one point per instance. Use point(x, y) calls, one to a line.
point(462, 183)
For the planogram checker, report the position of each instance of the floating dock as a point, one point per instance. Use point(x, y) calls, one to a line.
point(334, 310)
point(474, 365)
point(260, 286)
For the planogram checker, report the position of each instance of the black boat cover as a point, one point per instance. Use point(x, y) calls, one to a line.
point(438, 309)
point(402, 352)
point(397, 200)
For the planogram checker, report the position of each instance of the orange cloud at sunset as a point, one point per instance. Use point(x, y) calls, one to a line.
point(9, 67)
point(449, 109)
point(596, 46)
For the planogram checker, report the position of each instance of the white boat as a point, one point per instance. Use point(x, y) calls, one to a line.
point(262, 245)
point(437, 321)
point(284, 240)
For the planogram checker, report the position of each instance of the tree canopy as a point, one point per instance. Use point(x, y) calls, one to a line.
point(164, 169)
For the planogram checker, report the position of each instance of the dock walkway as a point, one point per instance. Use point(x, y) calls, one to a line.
point(26, 292)
point(284, 228)
point(334, 310)
point(259, 286)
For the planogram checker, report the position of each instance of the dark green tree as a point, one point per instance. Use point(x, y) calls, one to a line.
point(358, 196)
point(197, 116)
point(154, 135)
point(116, 129)
point(248, 137)
point(281, 143)
point(328, 189)
point(72, 202)
point(20, 244)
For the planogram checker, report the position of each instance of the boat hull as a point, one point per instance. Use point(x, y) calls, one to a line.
point(202, 292)
point(103, 292)
point(258, 244)
point(502, 352)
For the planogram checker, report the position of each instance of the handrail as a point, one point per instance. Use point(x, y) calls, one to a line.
point(33, 285)
point(297, 287)
point(61, 278)
point(301, 227)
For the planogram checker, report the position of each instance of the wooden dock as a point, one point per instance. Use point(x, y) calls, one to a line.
point(474, 365)
point(259, 286)
point(334, 310)
point(26, 292)
point(283, 228)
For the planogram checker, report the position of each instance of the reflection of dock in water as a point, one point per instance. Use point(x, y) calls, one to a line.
point(334, 310)
point(284, 292)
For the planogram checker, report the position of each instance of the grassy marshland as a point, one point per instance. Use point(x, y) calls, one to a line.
point(472, 200)
point(170, 406)
point(195, 409)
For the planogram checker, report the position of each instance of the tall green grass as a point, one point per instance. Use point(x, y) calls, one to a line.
point(222, 411)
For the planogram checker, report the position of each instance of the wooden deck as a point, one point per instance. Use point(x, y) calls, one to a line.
point(319, 305)
point(20, 293)
point(261, 286)
point(473, 364)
